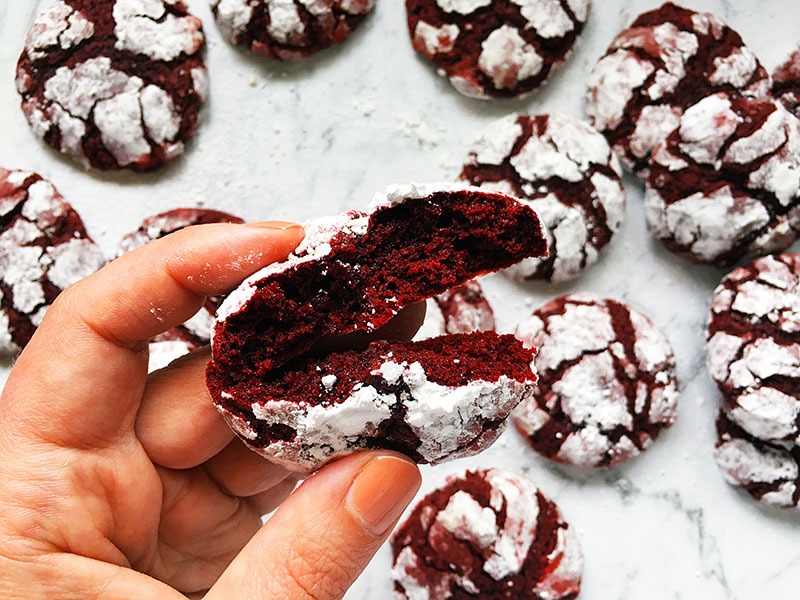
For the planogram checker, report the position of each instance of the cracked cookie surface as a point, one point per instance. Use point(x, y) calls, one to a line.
point(607, 381)
point(753, 349)
point(195, 332)
point(666, 61)
point(786, 82)
point(769, 472)
point(486, 534)
point(114, 84)
point(725, 184)
point(566, 172)
point(44, 248)
point(496, 48)
point(462, 309)
point(289, 29)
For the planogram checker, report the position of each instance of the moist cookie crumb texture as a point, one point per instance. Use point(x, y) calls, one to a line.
point(725, 184)
point(288, 29)
point(433, 400)
point(114, 84)
point(607, 381)
point(462, 309)
point(44, 248)
point(567, 173)
point(195, 332)
point(753, 350)
point(769, 472)
point(786, 82)
point(355, 271)
point(496, 48)
point(667, 60)
point(486, 534)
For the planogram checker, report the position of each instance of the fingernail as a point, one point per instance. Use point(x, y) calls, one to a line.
point(275, 225)
point(382, 490)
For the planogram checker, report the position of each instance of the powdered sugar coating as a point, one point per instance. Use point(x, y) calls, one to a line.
point(195, 332)
point(288, 29)
point(116, 83)
point(462, 309)
point(725, 183)
point(667, 60)
point(566, 172)
point(447, 421)
point(786, 82)
point(496, 47)
point(753, 350)
point(486, 533)
point(769, 472)
point(607, 381)
point(44, 248)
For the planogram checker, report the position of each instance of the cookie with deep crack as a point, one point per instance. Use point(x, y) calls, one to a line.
point(486, 534)
point(44, 248)
point(607, 381)
point(114, 84)
point(496, 48)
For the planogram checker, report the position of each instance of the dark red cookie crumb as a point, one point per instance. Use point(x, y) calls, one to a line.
point(500, 48)
point(463, 309)
point(488, 534)
point(753, 350)
point(666, 61)
point(433, 400)
point(769, 472)
point(786, 82)
point(289, 29)
point(725, 184)
point(114, 84)
point(607, 382)
point(357, 270)
point(565, 171)
point(196, 332)
point(44, 248)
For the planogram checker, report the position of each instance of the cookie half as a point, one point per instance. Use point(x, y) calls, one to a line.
point(566, 172)
point(496, 48)
point(114, 84)
point(607, 381)
point(434, 400)
point(486, 534)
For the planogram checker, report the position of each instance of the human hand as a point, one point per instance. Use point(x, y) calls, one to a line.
point(117, 485)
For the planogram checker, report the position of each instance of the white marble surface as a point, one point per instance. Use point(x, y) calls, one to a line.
point(300, 140)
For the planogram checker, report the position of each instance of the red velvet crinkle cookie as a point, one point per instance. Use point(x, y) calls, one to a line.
point(607, 381)
point(433, 400)
point(289, 29)
point(500, 48)
point(354, 272)
point(567, 173)
point(462, 309)
point(195, 332)
point(786, 82)
point(44, 248)
point(753, 350)
point(769, 472)
point(726, 183)
point(114, 84)
point(487, 534)
point(666, 61)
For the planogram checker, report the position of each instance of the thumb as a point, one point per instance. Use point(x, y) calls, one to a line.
point(318, 542)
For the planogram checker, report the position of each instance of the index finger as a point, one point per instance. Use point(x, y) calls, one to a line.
point(82, 375)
